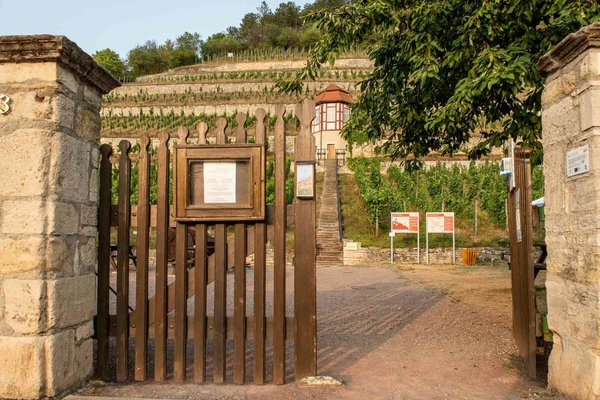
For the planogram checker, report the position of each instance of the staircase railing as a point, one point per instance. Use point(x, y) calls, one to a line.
point(339, 201)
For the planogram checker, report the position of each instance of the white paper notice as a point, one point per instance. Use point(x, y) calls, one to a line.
point(219, 182)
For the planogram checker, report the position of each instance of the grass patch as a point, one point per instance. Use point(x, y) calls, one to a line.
point(358, 227)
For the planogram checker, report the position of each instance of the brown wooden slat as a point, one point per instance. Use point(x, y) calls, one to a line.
point(279, 251)
point(143, 246)
point(220, 304)
point(305, 282)
point(240, 132)
point(202, 130)
point(220, 133)
point(104, 210)
point(159, 312)
point(260, 262)
point(123, 262)
point(239, 312)
point(289, 333)
point(522, 271)
point(200, 305)
point(181, 303)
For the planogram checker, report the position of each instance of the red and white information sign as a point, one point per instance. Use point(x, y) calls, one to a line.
point(405, 222)
point(440, 222)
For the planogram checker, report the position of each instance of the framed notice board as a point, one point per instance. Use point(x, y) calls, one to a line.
point(219, 183)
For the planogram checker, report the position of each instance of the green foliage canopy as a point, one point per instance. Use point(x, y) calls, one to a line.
point(111, 61)
point(446, 69)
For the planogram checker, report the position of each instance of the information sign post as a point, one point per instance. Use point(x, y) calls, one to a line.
point(441, 222)
point(405, 222)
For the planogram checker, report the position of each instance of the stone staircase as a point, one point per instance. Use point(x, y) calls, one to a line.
point(329, 246)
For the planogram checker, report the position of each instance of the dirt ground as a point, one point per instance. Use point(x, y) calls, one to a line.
point(393, 332)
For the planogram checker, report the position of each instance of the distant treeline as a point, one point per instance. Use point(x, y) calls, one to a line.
point(264, 29)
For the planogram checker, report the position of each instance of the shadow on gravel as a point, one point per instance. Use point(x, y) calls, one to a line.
point(355, 322)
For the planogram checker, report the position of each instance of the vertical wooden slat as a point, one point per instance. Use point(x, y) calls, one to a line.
point(220, 133)
point(279, 251)
point(162, 246)
point(305, 280)
point(202, 130)
point(220, 304)
point(143, 246)
point(105, 188)
point(123, 262)
point(239, 312)
point(181, 283)
point(200, 283)
point(260, 237)
point(240, 132)
point(180, 302)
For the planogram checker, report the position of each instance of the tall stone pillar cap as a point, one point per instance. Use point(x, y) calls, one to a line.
point(570, 48)
point(48, 48)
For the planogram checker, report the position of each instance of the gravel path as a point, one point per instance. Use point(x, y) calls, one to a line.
point(409, 333)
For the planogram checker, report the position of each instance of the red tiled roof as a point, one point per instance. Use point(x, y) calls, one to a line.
point(333, 94)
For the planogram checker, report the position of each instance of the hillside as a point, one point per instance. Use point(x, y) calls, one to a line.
point(203, 91)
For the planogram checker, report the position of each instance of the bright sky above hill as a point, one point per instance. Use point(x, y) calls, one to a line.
point(123, 24)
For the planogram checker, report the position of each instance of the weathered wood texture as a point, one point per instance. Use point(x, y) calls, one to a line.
point(279, 251)
point(166, 315)
point(521, 260)
point(305, 278)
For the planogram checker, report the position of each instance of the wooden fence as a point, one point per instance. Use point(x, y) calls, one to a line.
point(162, 322)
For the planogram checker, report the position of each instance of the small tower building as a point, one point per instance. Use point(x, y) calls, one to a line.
point(332, 112)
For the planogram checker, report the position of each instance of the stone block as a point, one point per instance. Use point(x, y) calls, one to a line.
point(93, 186)
point(23, 165)
point(25, 72)
point(70, 168)
point(70, 361)
point(25, 302)
point(22, 362)
point(22, 256)
point(36, 217)
point(87, 124)
point(89, 215)
point(589, 103)
point(71, 301)
point(573, 370)
point(61, 257)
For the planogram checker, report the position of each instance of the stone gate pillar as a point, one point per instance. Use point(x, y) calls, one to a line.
point(571, 128)
point(50, 94)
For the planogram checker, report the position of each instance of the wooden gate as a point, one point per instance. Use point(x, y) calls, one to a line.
point(521, 260)
point(158, 333)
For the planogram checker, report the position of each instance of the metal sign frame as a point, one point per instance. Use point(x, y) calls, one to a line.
point(393, 233)
point(444, 215)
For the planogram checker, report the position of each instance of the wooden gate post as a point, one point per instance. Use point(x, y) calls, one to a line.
point(305, 279)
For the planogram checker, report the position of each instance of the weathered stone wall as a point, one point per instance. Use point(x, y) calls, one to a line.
point(48, 170)
point(355, 254)
point(571, 118)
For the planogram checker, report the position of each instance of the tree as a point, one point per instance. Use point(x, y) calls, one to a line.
point(111, 61)
point(186, 50)
point(446, 69)
point(150, 58)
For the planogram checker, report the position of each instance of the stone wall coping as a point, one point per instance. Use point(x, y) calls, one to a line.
point(45, 48)
point(570, 48)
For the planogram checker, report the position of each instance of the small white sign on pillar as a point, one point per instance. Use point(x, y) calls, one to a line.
point(405, 222)
point(440, 222)
point(578, 161)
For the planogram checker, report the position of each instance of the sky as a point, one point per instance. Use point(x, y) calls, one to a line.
point(121, 25)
